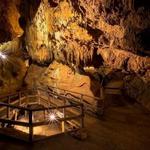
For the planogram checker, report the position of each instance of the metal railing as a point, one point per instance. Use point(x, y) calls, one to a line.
point(92, 104)
point(14, 103)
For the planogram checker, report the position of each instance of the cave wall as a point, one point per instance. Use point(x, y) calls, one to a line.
point(73, 31)
point(111, 32)
point(63, 77)
point(13, 68)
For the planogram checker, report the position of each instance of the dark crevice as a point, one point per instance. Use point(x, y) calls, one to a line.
point(42, 64)
point(97, 60)
point(78, 8)
point(53, 3)
point(22, 22)
point(95, 33)
point(1, 83)
point(144, 39)
point(142, 3)
point(4, 36)
point(125, 65)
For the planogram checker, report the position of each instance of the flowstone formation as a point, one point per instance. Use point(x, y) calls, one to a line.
point(80, 34)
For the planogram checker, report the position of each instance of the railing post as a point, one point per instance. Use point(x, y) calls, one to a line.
point(102, 94)
point(82, 116)
point(30, 126)
point(64, 116)
point(65, 92)
point(49, 100)
point(19, 98)
point(81, 99)
point(101, 102)
point(8, 109)
point(38, 93)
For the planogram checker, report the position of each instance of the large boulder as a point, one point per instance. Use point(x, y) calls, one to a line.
point(61, 76)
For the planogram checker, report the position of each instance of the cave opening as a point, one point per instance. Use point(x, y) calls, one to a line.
point(53, 3)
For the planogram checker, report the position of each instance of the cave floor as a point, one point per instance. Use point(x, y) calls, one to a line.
point(122, 128)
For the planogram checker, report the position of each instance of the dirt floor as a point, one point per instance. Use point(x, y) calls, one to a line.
point(124, 127)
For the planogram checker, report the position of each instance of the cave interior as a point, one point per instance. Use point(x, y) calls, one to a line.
point(92, 49)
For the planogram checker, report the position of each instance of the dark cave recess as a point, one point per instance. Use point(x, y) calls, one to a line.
point(142, 3)
point(144, 41)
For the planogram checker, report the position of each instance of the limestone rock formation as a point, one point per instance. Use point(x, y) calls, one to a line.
point(61, 76)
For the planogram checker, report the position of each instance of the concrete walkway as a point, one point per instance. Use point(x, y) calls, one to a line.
point(125, 127)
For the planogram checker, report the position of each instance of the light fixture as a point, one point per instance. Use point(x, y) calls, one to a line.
point(2, 56)
point(52, 117)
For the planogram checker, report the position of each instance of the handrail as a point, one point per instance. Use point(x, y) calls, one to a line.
point(47, 90)
point(29, 109)
point(59, 119)
point(11, 117)
point(13, 106)
point(77, 97)
point(94, 97)
point(57, 107)
point(15, 93)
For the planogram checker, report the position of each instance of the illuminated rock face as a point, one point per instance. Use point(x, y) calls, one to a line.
point(9, 20)
point(61, 76)
point(37, 34)
point(73, 31)
point(55, 33)
point(81, 33)
point(12, 68)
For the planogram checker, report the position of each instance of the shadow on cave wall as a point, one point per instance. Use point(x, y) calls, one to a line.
point(28, 9)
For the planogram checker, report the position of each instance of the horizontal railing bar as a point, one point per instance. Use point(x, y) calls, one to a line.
point(57, 107)
point(13, 106)
point(112, 88)
point(59, 119)
point(26, 124)
point(75, 92)
point(17, 93)
point(38, 109)
point(64, 97)
point(38, 88)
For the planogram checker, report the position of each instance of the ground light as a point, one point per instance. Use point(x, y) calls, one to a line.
point(52, 117)
point(2, 56)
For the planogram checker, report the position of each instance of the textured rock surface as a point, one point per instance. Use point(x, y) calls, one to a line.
point(9, 20)
point(13, 68)
point(127, 61)
point(61, 76)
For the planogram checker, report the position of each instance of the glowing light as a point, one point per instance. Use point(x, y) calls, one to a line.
point(52, 117)
point(2, 56)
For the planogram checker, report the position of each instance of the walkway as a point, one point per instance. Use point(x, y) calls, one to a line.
point(125, 127)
